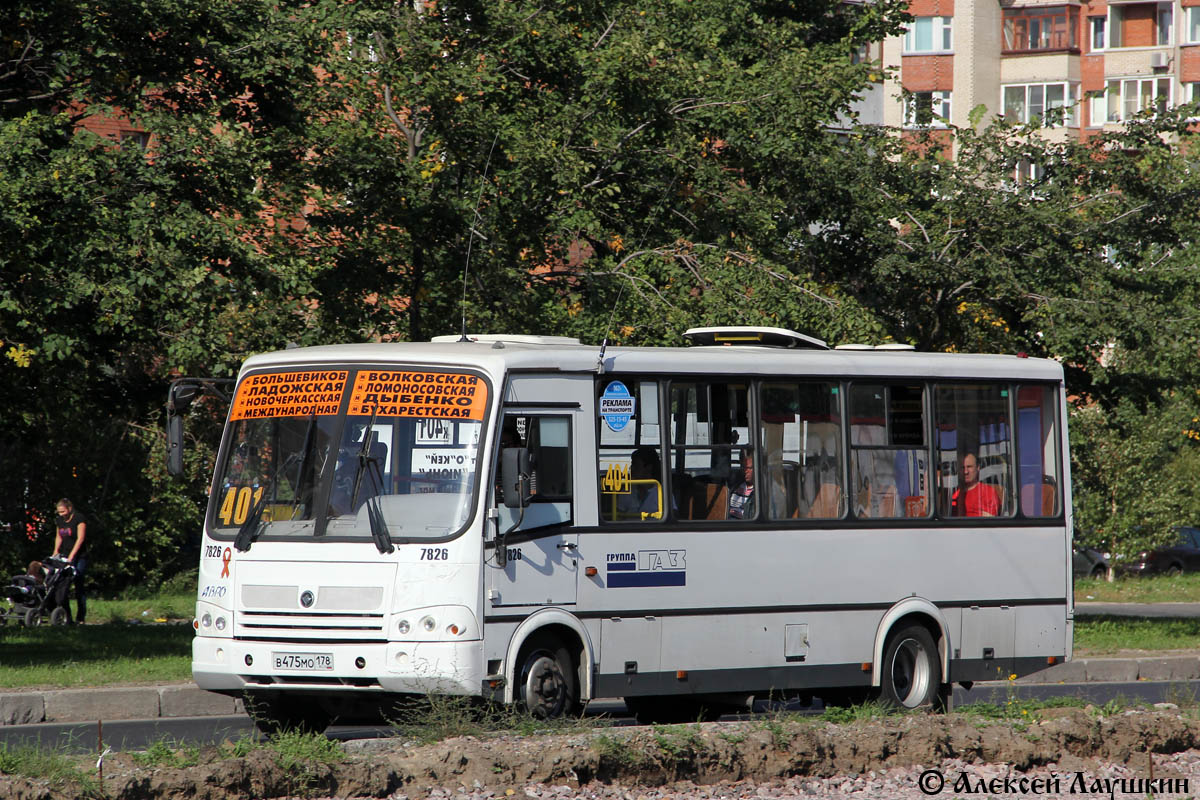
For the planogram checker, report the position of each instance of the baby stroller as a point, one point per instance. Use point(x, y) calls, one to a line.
point(40, 592)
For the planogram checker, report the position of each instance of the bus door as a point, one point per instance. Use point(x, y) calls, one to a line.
point(540, 541)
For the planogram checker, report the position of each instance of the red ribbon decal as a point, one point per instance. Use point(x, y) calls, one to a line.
point(225, 558)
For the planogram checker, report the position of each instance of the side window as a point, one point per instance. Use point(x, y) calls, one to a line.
point(632, 486)
point(801, 440)
point(1038, 473)
point(975, 459)
point(889, 457)
point(711, 456)
point(548, 439)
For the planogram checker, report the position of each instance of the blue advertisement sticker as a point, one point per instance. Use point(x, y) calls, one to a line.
point(616, 406)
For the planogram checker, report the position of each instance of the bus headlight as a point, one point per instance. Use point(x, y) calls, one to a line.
point(213, 620)
point(436, 624)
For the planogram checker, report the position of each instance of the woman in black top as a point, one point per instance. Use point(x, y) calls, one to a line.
point(71, 537)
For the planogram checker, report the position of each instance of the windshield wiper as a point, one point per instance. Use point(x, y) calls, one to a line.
point(375, 517)
point(253, 526)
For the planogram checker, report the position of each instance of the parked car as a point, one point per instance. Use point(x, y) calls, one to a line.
point(1088, 563)
point(1182, 556)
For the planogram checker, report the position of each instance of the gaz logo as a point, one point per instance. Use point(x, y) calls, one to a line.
point(651, 560)
point(647, 568)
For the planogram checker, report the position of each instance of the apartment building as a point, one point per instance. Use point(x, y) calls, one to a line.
point(1100, 61)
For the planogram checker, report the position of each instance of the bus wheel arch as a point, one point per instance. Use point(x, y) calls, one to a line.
point(912, 641)
point(549, 631)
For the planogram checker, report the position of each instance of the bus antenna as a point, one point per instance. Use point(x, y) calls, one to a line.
point(471, 240)
point(607, 331)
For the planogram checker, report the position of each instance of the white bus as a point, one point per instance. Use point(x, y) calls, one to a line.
point(540, 522)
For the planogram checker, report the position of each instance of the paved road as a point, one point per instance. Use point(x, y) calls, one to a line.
point(1173, 610)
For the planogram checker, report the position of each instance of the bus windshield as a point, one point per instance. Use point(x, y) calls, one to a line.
point(405, 446)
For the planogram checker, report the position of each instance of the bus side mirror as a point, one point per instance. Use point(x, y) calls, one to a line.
point(174, 444)
point(514, 476)
point(179, 398)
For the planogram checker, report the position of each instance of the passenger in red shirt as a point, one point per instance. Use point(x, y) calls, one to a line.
point(974, 499)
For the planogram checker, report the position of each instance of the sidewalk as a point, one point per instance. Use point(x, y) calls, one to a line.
point(20, 707)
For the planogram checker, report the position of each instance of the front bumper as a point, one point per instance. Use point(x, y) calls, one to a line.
point(233, 666)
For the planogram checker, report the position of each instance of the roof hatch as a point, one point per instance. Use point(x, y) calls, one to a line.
point(751, 335)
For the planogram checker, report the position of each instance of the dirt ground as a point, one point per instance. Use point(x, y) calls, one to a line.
point(763, 750)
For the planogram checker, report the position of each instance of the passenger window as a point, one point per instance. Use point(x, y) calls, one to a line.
point(889, 458)
point(712, 463)
point(1038, 472)
point(801, 440)
point(975, 458)
point(548, 440)
point(632, 486)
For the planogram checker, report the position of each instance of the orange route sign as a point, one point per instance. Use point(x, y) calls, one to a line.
point(289, 394)
point(406, 393)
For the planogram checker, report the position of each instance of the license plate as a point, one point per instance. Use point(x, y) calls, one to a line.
point(305, 661)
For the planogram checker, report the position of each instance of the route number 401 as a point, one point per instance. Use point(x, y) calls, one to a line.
point(236, 504)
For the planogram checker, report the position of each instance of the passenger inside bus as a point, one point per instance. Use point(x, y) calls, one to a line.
point(644, 498)
point(974, 498)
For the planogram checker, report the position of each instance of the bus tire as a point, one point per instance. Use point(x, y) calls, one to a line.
point(546, 685)
point(911, 676)
point(275, 714)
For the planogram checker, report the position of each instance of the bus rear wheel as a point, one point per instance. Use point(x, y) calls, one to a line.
point(274, 714)
point(911, 670)
point(546, 686)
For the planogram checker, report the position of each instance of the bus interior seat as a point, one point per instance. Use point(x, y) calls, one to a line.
point(828, 502)
point(708, 501)
point(1029, 498)
point(789, 478)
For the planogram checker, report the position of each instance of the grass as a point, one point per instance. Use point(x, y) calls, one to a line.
point(1108, 635)
point(1151, 589)
point(56, 769)
point(442, 716)
point(94, 655)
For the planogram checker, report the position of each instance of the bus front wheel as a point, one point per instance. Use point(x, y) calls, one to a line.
point(547, 687)
point(911, 670)
point(274, 714)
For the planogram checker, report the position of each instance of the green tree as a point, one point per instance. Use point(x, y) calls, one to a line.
point(661, 162)
point(122, 266)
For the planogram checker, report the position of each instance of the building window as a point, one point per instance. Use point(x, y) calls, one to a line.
point(1191, 31)
point(1124, 98)
point(1097, 26)
point(1043, 28)
point(1141, 25)
point(1027, 103)
point(927, 110)
point(1165, 29)
point(134, 139)
point(1191, 92)
point(1029, 171)
point(929, 35)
